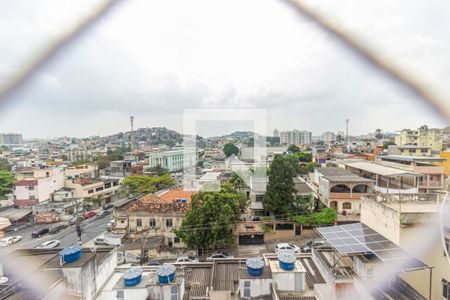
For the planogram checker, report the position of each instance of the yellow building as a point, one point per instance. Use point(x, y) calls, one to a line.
point(445, 164)
point(423, 137)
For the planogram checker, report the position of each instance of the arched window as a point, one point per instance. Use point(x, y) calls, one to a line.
point(340, 188)
point(346, 205)
point(361, 188)
point(333, 204)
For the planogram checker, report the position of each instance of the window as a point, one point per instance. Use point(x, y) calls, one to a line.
point(346, 205)
point(31, 197)
point(168, 222)
point(174, 292)
point(176, 240)
point(31, 187)
point(247, 289)
point(99, 189)
point(90, 191)
point(445, 289)
point(152, 222)
point(139, 222)
point(259, 198)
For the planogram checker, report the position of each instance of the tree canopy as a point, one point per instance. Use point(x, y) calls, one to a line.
point(279, 197)
point(325, 217)
point(293, 148)
point(142, 184)
point(209, 222)
point(6, 183)
point(4, 165)
point(230, 149)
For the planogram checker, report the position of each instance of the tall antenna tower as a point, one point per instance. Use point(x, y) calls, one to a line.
point(132, 133)
point(346, 130)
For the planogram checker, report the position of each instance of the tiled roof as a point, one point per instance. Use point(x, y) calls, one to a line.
point(302, 187)
point(156, 207)
point(173, 195)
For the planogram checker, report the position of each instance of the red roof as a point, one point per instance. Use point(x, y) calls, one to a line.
point(174, 195)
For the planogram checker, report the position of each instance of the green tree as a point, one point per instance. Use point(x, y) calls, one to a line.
point(209, 223)
point(279, 197)
point(304, 156)
point(4, 165)
point(6, 183)
point(308, 168)
point(158, 170)
point(142, 184)
point(326, 217)
point(230, 149)
point(293, 148)
point(379, 134)
point(303, 204)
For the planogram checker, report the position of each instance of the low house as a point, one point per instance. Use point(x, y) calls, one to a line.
point(103, 189)
point(341, 189)
point(152, 215)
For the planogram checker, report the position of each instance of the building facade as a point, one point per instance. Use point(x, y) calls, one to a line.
point(329, 137)
point(423, 136)
point(36, 185)
point(294, 137)
point(173, 160)
point(11, 139)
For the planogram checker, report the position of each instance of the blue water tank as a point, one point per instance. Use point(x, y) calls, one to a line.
point(132, 276)
point(71, 254)
point(166, 273)
point(287, 261)
point(255, 266)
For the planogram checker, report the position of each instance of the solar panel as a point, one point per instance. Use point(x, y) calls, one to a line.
point(357, 238)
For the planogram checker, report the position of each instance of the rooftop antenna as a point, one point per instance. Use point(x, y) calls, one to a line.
point(346, 130)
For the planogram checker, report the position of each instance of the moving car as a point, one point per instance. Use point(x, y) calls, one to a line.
point(153, 263)
point(89, 214)
point(10, 240)
point(189, 259)
point(100, 241)
point(219, 255)
point(108, 206)
point(313, 244)
point(49, 244)
point(39, 232)
point(103, 213)
point(58, 228)
point(280, 247)
point(109, 225)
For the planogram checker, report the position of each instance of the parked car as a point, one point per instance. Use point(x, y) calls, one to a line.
point(40, 232)
point(280, 247)
point(103, 213)
point(109, 225)
point(108, 206)
point(89, 214)
point(58, 228)
point(188, 259)
point(313, 244)
point(10, 240)
point(219, 255)
point(49, 244)
point(100, 241)
point(153, 263)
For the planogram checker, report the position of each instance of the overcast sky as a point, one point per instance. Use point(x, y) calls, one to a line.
point(152, 59)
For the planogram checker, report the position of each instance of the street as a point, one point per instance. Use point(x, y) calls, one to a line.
point(90, 229)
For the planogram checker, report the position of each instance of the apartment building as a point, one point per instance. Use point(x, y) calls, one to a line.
point(81, 171)
point(36, 185)
point(412, 222)
point(294, 137)
point(93, 187)
point(423, 136)
point(329, 137)
point(11, 139)
point(409, 150)
point(173, 160)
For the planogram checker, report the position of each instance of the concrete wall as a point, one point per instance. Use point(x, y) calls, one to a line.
point(258, 287)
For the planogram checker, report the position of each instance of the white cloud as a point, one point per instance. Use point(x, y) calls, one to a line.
point(152, 59)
